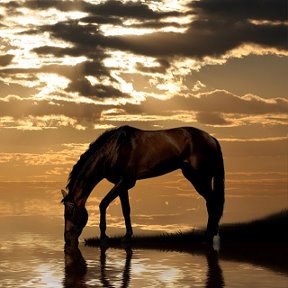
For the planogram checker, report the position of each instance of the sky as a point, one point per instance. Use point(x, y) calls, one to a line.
point(71, 69)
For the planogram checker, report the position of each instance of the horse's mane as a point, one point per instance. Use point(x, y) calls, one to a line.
point(93, 148)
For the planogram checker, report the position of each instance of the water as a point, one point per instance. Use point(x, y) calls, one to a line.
point(38, 260)
point(32, 254)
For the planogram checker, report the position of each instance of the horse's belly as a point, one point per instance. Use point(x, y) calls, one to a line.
point(156, 154)
point(153, 170)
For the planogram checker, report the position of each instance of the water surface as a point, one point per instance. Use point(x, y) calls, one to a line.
point(38, 260)
point(32, 253)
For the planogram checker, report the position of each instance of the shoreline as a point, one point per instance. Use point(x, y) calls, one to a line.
point(261, 242)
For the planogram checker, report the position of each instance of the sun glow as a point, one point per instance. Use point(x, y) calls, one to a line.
point(51, 82)
point(49, 16)
point(127, 61)
point(111, 30)
point(34, 123)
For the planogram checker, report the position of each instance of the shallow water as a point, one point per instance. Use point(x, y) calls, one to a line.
point(32, 252)
point(38, 260)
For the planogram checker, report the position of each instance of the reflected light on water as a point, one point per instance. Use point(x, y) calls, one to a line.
point(47, 277)
point(38, 260)
point(32, 252)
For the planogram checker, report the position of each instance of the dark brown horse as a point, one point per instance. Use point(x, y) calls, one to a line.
point(125, 155)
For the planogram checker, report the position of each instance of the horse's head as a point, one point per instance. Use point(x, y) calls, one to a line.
point(75, 220)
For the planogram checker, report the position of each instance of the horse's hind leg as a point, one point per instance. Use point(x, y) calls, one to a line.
point(203, 185)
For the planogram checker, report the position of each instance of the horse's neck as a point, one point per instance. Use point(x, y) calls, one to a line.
point(87, 179)
point(80, 193)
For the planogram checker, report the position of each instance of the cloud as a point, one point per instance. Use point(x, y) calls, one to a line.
point(16, 89)
point(261, 75)
point(60, 5)
point(87, 37)
point(211, 118)
point(219, 101)
point(29, 111)
point(162, 67)
point(6, 59)
point(273, 10)
point(82, 63)
point(138, 10)
point(204, 38)
point(77, 82)
point(85, 88)
point(131, 9)
point(207, 35)
point(217, 108)
point(39, 122)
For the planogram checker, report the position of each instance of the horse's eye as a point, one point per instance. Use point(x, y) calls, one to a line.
point(69, 212)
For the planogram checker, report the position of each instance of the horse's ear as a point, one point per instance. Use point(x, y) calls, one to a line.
point(64, 194)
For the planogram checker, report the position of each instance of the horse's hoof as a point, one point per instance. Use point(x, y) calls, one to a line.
point(104, 241)
point(216, 243)
point(126, 242)
point(126, 239)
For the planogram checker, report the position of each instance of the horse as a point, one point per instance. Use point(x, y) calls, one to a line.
point(124, 155)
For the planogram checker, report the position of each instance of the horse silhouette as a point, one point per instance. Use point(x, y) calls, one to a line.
point(124, 155)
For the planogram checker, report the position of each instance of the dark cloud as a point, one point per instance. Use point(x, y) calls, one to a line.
point(76, 74)
point(209, 107)
point(81, 85)
point(206, 36)
point(69, 71)
point(203, 38)
point(71, 31)
point(86, 114)
point(16, 89)
point(59, 5)
point(11, 7)
point(59, 51)
point(83, 37)
point(214, 102)
point(129, 9)
point(101, 20)
point(85, 88)
point(6, 59)
point(95, 54)
point(211, 118)
point(137, 10)
point(154, 25)
point(162, 66)
point(239, 10)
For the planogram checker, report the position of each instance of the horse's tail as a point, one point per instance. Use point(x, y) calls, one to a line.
point(219, 181)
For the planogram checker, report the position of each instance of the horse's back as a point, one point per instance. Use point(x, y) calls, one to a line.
point(152, 153)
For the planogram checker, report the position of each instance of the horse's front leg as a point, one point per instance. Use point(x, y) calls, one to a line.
point(124, 197)
point(103, 207)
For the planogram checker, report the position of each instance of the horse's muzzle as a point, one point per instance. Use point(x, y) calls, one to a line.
point(71, 239)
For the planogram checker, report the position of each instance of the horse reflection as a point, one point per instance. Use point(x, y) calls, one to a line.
point(215, 277)
point(126, 271)
point(75, 269)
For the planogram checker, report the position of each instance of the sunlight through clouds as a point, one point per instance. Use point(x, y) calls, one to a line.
point(71, 69)
point(39, 122)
